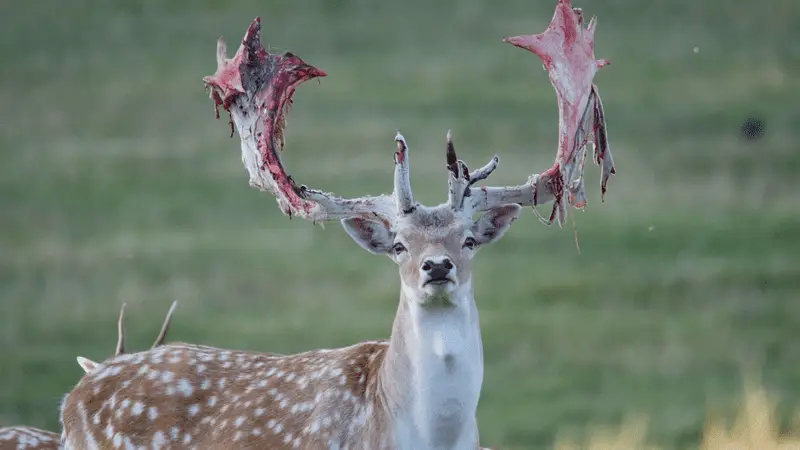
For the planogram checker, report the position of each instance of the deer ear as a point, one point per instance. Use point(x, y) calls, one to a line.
point(492, 224)
point(86, 364)
point(373, 235)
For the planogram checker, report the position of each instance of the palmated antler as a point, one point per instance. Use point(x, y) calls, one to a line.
point(256, 88)
point(567, 51)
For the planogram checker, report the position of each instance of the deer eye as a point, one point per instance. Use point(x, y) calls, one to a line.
point(398, 248)
point(470, 243)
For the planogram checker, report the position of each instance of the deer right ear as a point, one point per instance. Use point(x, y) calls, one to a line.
point(373, 235)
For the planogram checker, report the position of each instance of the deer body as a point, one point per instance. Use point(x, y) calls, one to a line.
point(185, 396)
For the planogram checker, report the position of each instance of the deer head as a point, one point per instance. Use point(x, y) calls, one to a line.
point(433, 246)
point(256, 88)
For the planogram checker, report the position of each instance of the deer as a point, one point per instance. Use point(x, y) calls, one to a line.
point(23, 437)
point(419, 388)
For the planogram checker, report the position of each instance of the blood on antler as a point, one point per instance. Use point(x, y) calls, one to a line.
point(567, 51)
point(256, 88)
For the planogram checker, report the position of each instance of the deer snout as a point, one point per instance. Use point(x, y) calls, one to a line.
point(437, 270)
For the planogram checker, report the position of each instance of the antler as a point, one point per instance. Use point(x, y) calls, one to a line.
point(567, 51)
point(120, 332)
point(459, 178)
point(256, 88)
point(162, 334)
point(89, 366)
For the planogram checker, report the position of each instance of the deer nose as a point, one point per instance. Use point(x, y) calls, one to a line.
point(436, 268)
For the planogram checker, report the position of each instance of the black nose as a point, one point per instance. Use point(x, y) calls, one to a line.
point(437, 270)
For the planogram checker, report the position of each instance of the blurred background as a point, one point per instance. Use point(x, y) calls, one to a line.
point(118, 185)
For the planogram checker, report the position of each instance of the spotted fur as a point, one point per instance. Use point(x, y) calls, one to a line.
point(28, 438)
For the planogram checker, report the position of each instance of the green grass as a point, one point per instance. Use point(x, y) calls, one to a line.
point(117, 185)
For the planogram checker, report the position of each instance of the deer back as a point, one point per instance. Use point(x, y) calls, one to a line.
point(28, 438)
point(190, 396)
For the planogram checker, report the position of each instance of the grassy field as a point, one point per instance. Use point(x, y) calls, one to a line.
point(117, 185)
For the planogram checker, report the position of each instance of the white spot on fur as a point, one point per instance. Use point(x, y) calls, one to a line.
point(185, 387)
point(137, 408)
point(159, 440)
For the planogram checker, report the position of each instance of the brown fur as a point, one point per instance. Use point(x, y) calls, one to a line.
point(89, 366)
point(28, 438)
point(207, 398)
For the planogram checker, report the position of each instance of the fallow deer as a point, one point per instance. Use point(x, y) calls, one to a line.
point(88, 365)
point(418, 389)
point(28, 438)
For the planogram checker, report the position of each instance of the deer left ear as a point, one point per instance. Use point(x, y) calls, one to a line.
point(492, 224)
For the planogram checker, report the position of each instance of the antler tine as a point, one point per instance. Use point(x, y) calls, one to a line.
point(484, 172)
point(120, 332)
point(460, 179)
point(457, 176)
point(402, 177)
point(256, 88)
point(567, 50)
point(165, 327)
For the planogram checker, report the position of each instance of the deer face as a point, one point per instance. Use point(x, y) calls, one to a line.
point(434, 247)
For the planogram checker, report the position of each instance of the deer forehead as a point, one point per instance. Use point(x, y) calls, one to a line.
point(432, 226)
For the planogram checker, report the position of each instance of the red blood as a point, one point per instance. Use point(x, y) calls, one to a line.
point(567, 51)
point(263, 83)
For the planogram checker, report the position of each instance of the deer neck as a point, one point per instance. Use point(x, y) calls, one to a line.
point(432, 374)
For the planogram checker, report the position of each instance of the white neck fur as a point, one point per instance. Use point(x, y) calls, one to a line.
point(433, 371)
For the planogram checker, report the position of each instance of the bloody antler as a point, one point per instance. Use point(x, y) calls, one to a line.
point(567, 50)
point(256, 88)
